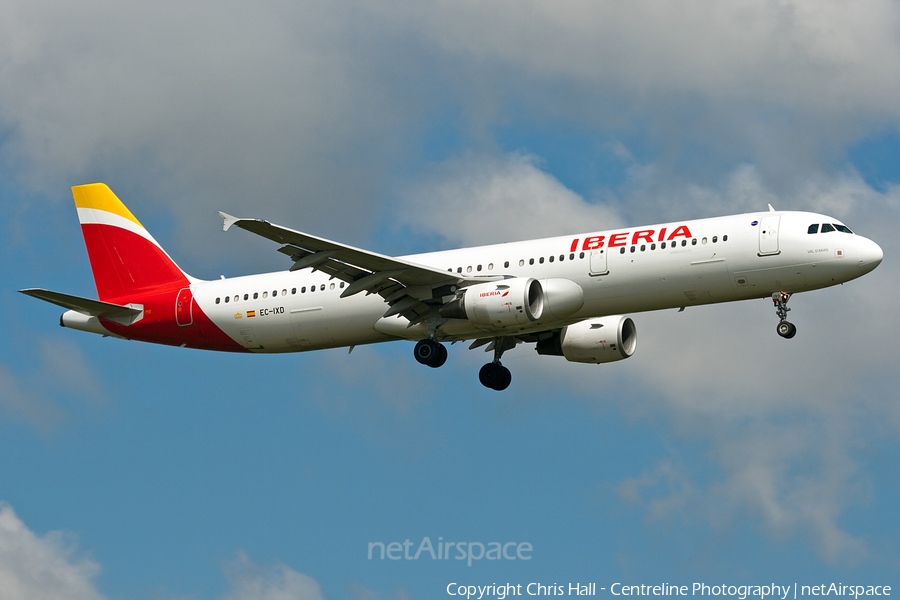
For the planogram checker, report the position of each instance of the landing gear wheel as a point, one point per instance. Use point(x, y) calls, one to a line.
point(786, 330)
point(495, 376)
point(504, 383)
point(442, 356)
point(431, 353)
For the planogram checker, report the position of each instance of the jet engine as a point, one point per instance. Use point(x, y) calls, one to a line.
point(601, 340)
point(562, 298)
point(499, 303)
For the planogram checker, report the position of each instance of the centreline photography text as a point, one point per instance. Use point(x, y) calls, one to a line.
point(741, 592)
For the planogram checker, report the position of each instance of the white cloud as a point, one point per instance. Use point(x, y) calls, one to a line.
point(49, 567)
point(824, 56)
point(278, 582)
point(45, 567)
point(304, 111)
point(480, 199)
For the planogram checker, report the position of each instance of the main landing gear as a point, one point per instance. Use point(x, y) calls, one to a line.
point(785, 329)
point(431, 353)
point(494, 375)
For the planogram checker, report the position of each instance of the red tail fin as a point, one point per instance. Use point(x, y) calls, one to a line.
point(124, 257)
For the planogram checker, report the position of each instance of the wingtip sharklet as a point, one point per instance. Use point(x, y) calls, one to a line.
point(229, 220)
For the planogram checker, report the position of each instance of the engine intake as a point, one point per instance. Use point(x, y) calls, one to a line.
point(600, 340)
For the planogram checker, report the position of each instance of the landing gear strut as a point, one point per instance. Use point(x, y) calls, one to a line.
point(431, 353)
point(494, 375)
point(785, 329)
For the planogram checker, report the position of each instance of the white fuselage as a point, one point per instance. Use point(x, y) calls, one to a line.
point(620, 271)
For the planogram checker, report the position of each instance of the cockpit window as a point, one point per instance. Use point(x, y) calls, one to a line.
point(826, 228)
point(842, 228)
point(813, 228)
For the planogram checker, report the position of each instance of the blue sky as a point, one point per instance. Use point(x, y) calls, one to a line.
point(717, 453)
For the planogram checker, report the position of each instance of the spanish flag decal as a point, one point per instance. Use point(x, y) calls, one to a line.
point(251, 313)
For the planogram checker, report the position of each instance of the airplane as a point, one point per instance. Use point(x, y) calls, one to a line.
point(567, 295)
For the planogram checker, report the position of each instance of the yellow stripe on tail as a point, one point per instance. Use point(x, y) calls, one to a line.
point(98, 196)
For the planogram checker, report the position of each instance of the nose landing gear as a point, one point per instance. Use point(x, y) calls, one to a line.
point(785, 329)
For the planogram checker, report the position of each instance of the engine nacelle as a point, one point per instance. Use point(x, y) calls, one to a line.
point(499, 303)
point(601, 340)
point(562, 297)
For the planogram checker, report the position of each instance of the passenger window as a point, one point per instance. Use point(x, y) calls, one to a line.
point(581, 255)
point(227, 298)
point(236, 298)
point(724, 238)
point(331, 286)
point(621, 250)
point(826, 228)
point(255, 295)
point(522, 262)
point(506, 265)
point(342, 285)
point(653, 246)
point(303, 290)
point(572, 256)
point(715, 239)
point(551, 258)
point(662, 246)
point(684, 243)
point(633, 248)
point(562, 257)
point(459, 269)
point(814, 228)
point(530, 261)
point(694, 242)
point(293, 291)
point(490, 266)
point(704, 240)
point(643, 247)
point(217, 300)
point(246, 296)
point(469, 269)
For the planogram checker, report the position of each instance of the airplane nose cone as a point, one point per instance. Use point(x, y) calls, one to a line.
point(870, 255)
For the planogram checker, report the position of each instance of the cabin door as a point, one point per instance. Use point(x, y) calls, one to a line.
point(598, 262)
point(184, 308)
point(768, 235)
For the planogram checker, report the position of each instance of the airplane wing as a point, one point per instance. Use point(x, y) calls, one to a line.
point(409, 288)
point(92, 308)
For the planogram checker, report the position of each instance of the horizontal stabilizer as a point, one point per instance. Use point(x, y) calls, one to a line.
point(126, 315)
